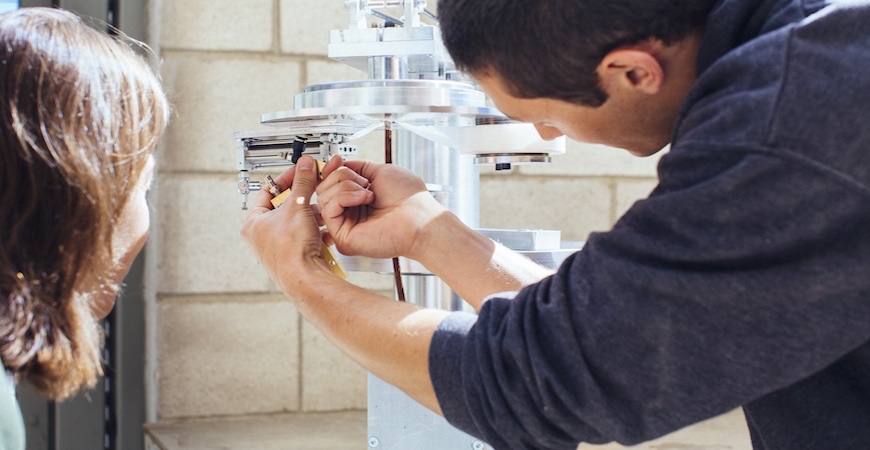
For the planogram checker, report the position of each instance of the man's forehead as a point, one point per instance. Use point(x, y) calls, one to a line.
point(495, 87)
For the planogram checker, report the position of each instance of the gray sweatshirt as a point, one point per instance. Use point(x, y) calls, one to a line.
point(743, 280)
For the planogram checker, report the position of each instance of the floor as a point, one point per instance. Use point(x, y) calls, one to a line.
point(310, 431)
point(347, 430)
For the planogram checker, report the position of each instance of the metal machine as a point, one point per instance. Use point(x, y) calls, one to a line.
point(435, 123)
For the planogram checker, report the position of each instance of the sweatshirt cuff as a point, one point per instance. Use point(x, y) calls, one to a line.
point(445, 369)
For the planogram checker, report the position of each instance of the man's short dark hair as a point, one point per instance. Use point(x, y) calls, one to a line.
point(551, 48)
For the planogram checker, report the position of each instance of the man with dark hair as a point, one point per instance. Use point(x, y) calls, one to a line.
point(743, 280)
point(553, 49)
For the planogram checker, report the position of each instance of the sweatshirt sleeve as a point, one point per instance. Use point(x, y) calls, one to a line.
point(745, 271)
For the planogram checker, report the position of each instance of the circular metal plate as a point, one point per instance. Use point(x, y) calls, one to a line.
point(418, 101)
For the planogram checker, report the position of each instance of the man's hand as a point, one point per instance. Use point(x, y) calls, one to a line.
point(375, 210)
point(287, 238)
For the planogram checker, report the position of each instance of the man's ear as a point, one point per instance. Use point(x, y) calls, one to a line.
point(631, 69)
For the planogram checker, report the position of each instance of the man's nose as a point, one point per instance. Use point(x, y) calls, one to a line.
point(548, 133)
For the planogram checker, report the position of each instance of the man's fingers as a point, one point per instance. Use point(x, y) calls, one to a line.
point(342, 175)
point(348, 193)
point(362, 167)
point(334, 163)
point(304, 181)
point(315, 208)
point(285, 179)
point(343, 199)
point(262, 203)
point(327, 238)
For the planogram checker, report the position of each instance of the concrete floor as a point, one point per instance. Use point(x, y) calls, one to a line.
point(314, 431)
point(347, 430)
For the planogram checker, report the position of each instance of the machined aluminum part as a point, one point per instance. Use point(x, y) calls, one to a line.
point(323, 139)
point(413, 101)
point(420, 47)
point(547, 258)
point(511, 158)
point(316, 125)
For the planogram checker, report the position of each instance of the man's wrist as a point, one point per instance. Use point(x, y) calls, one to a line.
point(434, 235)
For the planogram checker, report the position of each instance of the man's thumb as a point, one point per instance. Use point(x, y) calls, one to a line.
point(304, 180)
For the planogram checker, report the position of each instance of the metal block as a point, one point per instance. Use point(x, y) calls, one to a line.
point(525, 240)
point(396, 422)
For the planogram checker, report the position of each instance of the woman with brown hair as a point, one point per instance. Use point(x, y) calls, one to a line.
point(80, 114)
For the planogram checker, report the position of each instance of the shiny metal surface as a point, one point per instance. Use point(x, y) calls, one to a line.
point(512, 158)
point(447, 167)
point(547, 258)
point(414, 101)
point(421, 47)
point(397, 423)
point(412, 113)
point(387, 67)
point(525, 240)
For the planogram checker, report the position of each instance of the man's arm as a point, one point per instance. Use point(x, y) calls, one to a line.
point(388, 338)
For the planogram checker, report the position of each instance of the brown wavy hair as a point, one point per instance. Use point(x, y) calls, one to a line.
point(80, 113)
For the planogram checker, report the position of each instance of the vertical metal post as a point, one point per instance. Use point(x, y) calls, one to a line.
point(395, 421)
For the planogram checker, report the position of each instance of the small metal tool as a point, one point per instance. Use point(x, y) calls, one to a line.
point(273, 188)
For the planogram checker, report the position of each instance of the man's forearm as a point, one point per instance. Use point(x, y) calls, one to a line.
point(388, 338)
point(471, 264)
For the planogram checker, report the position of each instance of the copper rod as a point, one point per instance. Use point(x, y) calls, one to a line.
point(388, 158)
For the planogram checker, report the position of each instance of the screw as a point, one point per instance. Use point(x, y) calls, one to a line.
point(477, 445)
point(374, 442)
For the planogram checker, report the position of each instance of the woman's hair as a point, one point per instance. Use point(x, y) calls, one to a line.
point(551, 49)
point(80, 113)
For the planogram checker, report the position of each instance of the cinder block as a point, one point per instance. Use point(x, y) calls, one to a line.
point(305, 25)
point(595, 160)
point(628, 192)
point(215, 95)
point(574, 206)
point(217, 25)
point(227, 355)
point(330, 380)
point(201, 251)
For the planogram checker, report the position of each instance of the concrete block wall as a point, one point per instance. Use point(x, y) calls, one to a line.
point(582, 191)
point(223, 341)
